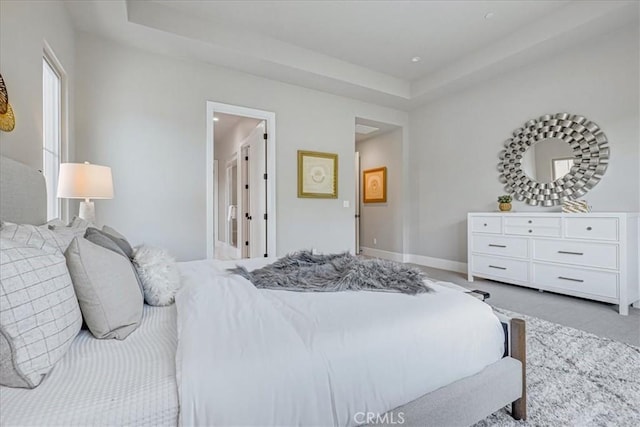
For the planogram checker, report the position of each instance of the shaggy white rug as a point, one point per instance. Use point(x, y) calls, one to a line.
point(575, 378)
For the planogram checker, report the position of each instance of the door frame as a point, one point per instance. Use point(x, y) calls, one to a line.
point(269, 117)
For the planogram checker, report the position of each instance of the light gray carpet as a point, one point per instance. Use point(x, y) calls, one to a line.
point(575, 378)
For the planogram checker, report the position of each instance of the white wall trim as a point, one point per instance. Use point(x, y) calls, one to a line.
point(270, 118)
point(440, 263)
point(427, 261)
point(379, 253)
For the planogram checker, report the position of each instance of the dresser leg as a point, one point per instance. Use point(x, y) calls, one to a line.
point(623, 309)
point(470, 278)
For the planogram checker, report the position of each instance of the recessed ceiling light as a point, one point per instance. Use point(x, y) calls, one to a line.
point(416, 59)
point(489, 15)
point(215, 119)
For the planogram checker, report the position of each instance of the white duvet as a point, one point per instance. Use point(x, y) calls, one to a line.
point(259, 357)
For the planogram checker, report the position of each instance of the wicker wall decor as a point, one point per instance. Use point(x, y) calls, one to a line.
point(590, 159)
point(7, 118)
point(4, 97)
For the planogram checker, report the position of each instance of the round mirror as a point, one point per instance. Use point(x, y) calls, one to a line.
point(553, 159)
point(548, 160)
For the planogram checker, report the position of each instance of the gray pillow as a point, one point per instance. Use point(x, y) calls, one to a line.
point(120, 240)
point(107, 241)
point(106, 288)
point(39, 313)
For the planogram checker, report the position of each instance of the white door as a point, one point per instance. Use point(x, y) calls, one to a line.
point(254, 194)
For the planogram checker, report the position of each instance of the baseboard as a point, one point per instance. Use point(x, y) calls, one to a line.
point(442, 264)
point(378, 253)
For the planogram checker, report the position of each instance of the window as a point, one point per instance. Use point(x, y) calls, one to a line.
point(51, 133)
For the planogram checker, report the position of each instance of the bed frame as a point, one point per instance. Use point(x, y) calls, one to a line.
point(462, 403)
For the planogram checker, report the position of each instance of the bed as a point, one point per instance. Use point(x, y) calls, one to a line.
point(230, 354)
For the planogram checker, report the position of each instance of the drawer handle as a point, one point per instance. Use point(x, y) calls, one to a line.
point(589, 228)
point(570, 253)
point(485, 224)
point(499, 268)
point(497, 246)
point(530, 231)
point(570, 279)
point(530, 222)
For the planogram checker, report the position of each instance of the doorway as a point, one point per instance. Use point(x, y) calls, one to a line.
point(241, 210)
point(378, 170)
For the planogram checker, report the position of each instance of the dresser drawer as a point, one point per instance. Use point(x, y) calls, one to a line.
point(600, 255)
point(509, 269)
point(592, 228)
point(532, 231)
point(499, 245)
point(532, 221)
point(574, 279)
point(486, 224)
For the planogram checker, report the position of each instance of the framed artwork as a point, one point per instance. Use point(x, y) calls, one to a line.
point(317, 175)
point(375, 185)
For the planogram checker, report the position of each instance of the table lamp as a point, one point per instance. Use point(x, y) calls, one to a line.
point(85, 181)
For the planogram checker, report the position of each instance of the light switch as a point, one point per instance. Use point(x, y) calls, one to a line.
point(345, 204)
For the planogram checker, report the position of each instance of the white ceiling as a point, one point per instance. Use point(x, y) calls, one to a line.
point(226, 122)
point(361, 49)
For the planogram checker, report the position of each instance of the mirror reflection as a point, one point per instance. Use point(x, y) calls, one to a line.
point(548, 160)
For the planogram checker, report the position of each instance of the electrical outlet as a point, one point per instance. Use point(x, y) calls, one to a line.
point(375, 241)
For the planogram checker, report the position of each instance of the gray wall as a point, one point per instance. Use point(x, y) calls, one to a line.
point(149, 124)
point(383, 221)
point(23, 30)
point(454, 141)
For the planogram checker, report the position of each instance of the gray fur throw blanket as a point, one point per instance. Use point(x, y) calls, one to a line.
point(307, 272)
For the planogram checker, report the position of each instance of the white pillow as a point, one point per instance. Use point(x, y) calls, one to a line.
point(39, 312)
point(158, 273)
point(41, 237)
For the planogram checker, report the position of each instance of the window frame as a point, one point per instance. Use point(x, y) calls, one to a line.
point(49, 57)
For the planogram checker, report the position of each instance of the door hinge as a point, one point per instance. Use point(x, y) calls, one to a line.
point(265, 176)
point(266, 255)
point(265, 136)
point(246, 186)
point(246, 214)
point(246, 243)
point(246, 158)
point(265, 216)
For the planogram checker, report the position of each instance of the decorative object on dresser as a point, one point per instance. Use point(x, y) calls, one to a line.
point(85, 181)
point(504, 203)
point(593, 255)
point(317, 175)
point(576, 206)
point(553, 159)
point(375, 185)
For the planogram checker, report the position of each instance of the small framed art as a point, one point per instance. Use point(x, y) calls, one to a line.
point(375, 185)
point(317, 175)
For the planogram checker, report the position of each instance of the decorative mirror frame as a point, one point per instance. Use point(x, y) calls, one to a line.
point(590, 159)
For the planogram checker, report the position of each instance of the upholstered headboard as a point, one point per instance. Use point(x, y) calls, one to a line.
point(23, 193)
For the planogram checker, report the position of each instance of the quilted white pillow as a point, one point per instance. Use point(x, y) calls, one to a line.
point(39, 312)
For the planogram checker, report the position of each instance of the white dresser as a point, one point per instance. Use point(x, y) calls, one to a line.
point(592, 255)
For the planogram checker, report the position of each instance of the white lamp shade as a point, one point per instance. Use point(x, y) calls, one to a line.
point(84, 181)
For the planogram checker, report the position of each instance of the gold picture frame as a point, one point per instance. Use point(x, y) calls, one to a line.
point(317, 175)
point(374, 182)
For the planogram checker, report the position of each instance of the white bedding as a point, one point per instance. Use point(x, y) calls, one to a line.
point(259, 357)
point(106, 382)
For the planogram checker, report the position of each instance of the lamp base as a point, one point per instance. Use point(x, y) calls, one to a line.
point(88, 211)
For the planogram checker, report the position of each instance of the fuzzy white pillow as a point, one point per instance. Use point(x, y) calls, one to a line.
point(158, 273)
